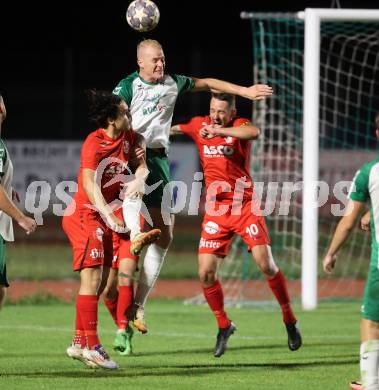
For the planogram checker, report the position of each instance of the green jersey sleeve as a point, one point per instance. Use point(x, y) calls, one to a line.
point(124, 88)
point(360, 188)
point(184, 83)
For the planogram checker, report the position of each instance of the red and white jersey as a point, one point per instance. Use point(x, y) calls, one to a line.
point(96, 149)
point(225, 160)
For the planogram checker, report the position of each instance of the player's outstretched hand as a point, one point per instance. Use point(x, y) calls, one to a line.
point(258, 92)
point(136, 154)
point(329, 263)
point(365, 222)
point(116, 224)
point(28, 224)
point(134, 189)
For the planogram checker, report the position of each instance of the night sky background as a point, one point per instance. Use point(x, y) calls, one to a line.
point(49, 54)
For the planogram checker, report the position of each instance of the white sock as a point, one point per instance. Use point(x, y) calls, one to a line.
point(131, 209)
point(149, 273)
point(369, 364)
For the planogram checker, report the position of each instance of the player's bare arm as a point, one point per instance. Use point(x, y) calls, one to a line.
point(176, 130)
point(9, 208)
point(246, 132)
point(345, 226)
point(365, 222)
point(255, 92)
point(95, 196)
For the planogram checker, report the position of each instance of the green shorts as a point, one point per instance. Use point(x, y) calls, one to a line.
point(3, 266)
point(158, 165)
point(370, 307)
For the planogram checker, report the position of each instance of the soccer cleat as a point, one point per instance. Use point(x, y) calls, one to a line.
point(138, 320)
point(294, 336)
point(76, 352)
point(222, 339)
point(100, 358)
point(143, 239)
point(123, 342)
point(355, 385)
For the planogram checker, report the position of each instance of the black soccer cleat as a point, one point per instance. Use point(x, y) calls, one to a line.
point(222, 339)
point(294, 337)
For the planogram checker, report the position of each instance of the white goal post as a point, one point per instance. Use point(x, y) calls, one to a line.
point(312, 18)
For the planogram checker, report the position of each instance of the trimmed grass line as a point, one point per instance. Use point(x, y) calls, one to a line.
point(172, 334)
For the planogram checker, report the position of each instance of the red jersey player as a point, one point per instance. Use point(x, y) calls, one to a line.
point(223, 141)
point(90, 219)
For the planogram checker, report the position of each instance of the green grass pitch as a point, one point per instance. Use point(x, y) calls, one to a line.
point(177, 351)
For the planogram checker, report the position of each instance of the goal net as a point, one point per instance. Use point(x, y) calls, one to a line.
point(348, 100)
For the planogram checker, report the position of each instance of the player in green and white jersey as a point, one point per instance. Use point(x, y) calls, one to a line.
point(8, 209)
point(365, 189)
point(151, 95)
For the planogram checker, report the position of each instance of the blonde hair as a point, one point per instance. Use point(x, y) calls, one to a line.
point(148, 43)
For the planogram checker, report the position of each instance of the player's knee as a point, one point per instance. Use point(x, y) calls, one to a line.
point(125, 278)
point(268, 268)
point(207, 277)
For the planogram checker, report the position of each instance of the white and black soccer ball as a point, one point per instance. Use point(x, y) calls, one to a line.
point(142, 15)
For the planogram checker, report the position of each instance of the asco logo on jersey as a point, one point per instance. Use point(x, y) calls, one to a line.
point(217, 151)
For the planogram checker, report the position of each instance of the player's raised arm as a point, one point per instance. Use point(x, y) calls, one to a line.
point(254, 92)
point(246, 131)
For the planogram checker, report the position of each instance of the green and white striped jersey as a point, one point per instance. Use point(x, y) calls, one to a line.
point(152, 105)
point(366, 188)
point(6, 177)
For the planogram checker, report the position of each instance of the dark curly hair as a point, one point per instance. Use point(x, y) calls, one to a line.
point(102, 105)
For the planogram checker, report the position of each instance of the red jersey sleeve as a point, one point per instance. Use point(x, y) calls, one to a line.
point(241, 122)
point(89, 157)
point(193, 126)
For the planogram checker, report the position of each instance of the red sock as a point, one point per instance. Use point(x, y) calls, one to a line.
point(215, 299)
point(87, 306)
point(278, 286)
point(111, 305)
point(125, 299)
point(80, 337)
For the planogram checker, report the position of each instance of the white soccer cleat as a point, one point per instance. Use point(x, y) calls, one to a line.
point(99, 357)
point(76, 352)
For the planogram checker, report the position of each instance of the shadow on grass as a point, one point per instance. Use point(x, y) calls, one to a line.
point(175, 370)
point(281, 347)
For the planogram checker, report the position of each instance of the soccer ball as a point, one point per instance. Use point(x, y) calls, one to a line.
point(142, 15)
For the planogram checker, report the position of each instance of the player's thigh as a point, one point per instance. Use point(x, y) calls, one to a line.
point(208, 262)
point(165, 224)
point(90, 280)
point(370, 307)
point(159, 177)
point(369, 330)
point(252, 229)
point(216, 236)
point(90, 239)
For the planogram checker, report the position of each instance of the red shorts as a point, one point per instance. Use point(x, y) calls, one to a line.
point(217, 231)
point(121, 248)
point(90, 238)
